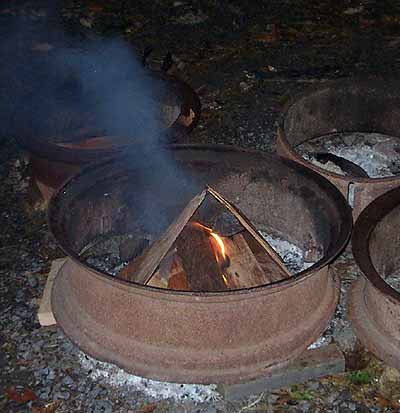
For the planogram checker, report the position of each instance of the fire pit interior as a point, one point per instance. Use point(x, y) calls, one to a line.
point(347, 130)
point(227, 319)
point(368, 155)
point(211, 246)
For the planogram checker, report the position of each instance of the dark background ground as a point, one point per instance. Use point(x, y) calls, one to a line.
point(244, 59)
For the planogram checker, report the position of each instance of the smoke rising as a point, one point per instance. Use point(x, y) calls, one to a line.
point(90, 88)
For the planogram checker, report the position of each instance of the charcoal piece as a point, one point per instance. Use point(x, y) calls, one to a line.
point(394, 168)
point(348, 167)
point(132, 247)
point(167, 62)
point(227, 225)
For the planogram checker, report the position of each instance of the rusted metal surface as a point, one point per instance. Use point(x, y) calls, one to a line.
point(374, 306)
point(343, 106)
point(52, 163)
point(199, 337)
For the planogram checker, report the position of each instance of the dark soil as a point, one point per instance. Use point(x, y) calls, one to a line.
point(244, 59)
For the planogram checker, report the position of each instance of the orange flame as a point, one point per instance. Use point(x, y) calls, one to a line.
point(213, 234)
point(220, 243)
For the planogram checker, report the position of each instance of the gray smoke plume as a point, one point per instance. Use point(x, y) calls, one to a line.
point(91, 88)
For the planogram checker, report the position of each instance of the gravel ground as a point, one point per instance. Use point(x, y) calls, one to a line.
point(244, 61)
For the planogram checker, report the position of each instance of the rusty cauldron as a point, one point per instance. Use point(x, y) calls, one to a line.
point(349, 105)
point(53, 159)
point(198, 337)
point(374, 306)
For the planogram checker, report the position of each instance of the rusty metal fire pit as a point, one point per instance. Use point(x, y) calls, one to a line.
point(374, 307)
point(199, 337)
point(343, 106)
point(53, 162)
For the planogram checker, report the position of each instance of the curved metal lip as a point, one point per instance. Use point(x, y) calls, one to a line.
point(343, 239)
point(365, 81)
point(363, 228)
point(58, 153)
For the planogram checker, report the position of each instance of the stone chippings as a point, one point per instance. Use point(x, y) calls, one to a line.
point(44, 360)
point(241, 101)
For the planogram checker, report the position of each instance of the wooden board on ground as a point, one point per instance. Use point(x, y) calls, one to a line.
point(312, 364)
point(45, 313)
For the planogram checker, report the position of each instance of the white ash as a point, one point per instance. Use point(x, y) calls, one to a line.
point(320, 342)
point(157, 390)
point(103, 253)
point(394, 281)
point(291, 255)
point(376, 153)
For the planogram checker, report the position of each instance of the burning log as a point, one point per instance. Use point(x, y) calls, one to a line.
point(199, 260)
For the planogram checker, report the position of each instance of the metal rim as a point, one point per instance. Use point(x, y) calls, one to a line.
point(343, 239)
point(364, 227)
point(222, 369)
point(312, 89)
point(56, 153)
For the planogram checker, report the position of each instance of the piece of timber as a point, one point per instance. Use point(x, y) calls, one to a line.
point(198, 260)
point(178, 279)
point(142, 269)
point(312, 364)
point(252, 230)
point(244, 271)
point(266, 262)
point(45, 313)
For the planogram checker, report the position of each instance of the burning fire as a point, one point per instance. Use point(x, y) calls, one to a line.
point(220, 243)
point(220, 255)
